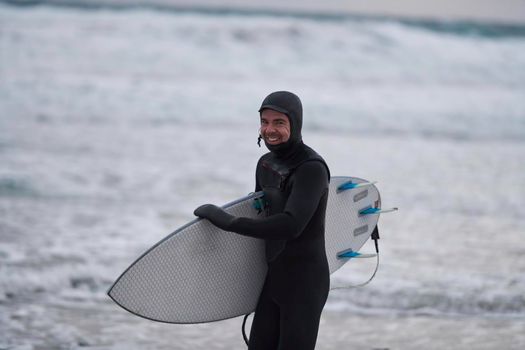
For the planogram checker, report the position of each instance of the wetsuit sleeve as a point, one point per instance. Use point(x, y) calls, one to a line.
point(310, 184)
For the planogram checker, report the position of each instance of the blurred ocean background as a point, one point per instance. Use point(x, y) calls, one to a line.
point(116, 122)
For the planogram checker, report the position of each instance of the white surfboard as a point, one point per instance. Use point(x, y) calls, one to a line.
point(200, 273)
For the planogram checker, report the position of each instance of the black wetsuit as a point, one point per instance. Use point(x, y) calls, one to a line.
point(297, 284)
point(295, 181)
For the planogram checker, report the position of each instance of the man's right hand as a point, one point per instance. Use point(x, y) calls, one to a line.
point(215, 215)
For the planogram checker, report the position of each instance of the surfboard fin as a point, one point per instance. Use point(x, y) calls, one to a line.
point(349, 254)
point(351, 185)
point(370, 211)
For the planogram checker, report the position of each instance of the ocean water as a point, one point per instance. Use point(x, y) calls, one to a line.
point(116, 123)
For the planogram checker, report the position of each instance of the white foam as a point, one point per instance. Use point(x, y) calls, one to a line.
point(114, 126)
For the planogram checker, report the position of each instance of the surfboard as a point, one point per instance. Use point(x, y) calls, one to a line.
point(200, 273)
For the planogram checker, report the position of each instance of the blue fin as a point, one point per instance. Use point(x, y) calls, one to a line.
point(348, 254)
point(369, 211)
point(351, 185)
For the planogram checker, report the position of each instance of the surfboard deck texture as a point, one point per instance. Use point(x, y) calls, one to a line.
point(200, 273)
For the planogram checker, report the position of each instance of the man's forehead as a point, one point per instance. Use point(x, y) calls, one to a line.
point(273, 115)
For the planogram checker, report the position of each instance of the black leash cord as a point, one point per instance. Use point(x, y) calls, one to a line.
point(243, 330)
point(375, 237)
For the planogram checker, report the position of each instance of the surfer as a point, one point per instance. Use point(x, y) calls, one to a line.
point(295, 182)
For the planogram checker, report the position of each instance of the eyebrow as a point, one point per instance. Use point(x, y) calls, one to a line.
point(275, 120)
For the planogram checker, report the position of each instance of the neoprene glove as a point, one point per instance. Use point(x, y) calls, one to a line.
point(216, 215)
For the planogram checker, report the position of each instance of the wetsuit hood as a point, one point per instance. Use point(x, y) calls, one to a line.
point(289, 104)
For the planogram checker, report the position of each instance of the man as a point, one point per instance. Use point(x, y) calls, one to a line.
point(295, 180)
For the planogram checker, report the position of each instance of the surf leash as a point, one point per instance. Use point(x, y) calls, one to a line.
point(244, 330)
point(375, 237)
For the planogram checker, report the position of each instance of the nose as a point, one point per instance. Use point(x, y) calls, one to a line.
point(269, 128)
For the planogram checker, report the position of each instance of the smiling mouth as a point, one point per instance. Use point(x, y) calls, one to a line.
point(273, 139)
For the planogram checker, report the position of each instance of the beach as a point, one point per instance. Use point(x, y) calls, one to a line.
point(116, 123)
